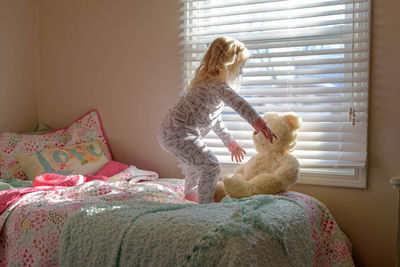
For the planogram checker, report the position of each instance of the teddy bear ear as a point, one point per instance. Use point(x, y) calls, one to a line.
point(294, 120)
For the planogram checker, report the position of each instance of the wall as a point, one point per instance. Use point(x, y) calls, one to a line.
point(121, 57)
point(18, 65)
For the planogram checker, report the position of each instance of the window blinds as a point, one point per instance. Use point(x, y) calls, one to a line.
point(308, 56)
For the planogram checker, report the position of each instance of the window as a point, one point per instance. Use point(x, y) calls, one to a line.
point(308, 56)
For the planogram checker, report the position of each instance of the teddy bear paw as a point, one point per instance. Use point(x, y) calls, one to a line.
point(236, 186)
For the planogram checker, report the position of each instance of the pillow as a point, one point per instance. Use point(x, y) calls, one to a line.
point(82, 159)
point(84, 129)
point(111, 168)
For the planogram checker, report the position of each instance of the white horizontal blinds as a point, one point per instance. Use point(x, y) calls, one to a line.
point(308, 56)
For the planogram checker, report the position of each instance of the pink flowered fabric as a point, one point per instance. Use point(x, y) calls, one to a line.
point(31, 227)
point(331, 245)
point(133, 173)
point(85, 129)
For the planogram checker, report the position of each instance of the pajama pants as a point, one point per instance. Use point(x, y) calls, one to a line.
point(201, 167)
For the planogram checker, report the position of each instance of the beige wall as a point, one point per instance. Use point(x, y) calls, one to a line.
point(18, 65)
point(121, 58)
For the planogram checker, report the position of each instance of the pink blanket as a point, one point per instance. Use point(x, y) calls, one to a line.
point(44, 182)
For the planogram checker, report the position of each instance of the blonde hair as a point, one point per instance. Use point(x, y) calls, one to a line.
point(222, 59)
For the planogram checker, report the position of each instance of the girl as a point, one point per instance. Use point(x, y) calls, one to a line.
point(198, 110)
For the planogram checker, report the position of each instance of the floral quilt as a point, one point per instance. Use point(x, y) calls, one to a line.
point(31, 228)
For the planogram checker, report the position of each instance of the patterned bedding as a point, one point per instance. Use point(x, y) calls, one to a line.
point(147, 222)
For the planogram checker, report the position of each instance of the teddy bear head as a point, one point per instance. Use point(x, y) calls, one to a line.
point(285, 127)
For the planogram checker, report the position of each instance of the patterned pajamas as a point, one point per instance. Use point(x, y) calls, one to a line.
point(201, 167)
point(181, 133)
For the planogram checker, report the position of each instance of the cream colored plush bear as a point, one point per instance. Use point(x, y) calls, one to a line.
point(273, 168)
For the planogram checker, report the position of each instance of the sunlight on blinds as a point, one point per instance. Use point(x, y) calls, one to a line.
point(308, 56)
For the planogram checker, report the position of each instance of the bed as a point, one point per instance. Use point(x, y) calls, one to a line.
point(135, 218)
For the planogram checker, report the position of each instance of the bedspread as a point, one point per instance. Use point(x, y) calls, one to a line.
point(254, 232)
point(131, 223)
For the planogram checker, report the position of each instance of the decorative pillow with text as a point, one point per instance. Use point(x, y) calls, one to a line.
point(82, 159)
point(84, 129)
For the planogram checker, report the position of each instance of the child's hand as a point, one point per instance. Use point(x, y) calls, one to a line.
point(238, 153)
point(261, 126)
point(269, 135)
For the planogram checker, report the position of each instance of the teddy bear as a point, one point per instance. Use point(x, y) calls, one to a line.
point(273, 168)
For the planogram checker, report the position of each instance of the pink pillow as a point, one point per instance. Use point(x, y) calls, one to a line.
point(111, 168)
point(84, 129)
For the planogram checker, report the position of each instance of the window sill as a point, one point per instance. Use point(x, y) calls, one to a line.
point(357, 180)
point(331, 178)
